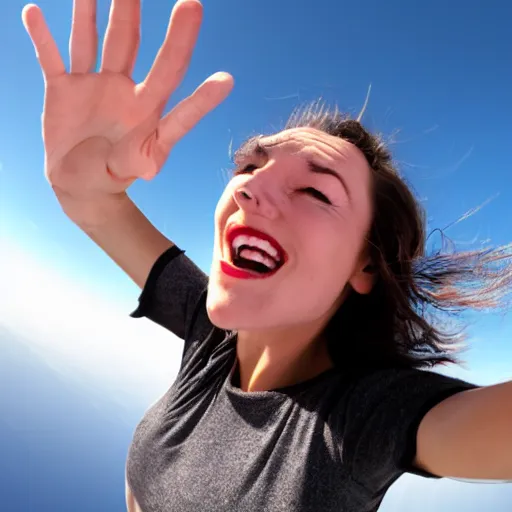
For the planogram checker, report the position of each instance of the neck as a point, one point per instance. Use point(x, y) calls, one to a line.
point(282, 357)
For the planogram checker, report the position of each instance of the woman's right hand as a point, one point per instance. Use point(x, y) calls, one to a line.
point(102, 131)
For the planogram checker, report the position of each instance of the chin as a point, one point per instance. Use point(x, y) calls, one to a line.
point(230, 311)
point(220, 317)
point(229, 317)
point(220, 306)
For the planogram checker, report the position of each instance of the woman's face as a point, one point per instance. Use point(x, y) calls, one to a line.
point(290, 229)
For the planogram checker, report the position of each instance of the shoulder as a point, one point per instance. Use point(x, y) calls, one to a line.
point(409, 382)
point(174, 295)
point(382, 414)
point(398, 396)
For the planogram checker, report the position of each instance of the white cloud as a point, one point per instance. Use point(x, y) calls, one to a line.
point(83, 335)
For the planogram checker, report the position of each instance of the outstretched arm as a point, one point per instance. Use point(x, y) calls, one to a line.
point(130, 239)
point(469, 435)
point(102, 131)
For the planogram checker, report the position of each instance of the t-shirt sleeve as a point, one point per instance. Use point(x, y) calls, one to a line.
point(174, 296)
point(382, 417)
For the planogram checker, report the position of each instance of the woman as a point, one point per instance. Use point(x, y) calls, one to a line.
point(300, 387)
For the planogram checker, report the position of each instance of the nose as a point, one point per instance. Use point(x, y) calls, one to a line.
point(255, 201)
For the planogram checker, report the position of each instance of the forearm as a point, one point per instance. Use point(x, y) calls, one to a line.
point(130, 239)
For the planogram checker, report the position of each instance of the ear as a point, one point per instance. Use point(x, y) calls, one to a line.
point(364, 277)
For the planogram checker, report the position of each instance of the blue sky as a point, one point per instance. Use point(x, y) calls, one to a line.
point(440, 74)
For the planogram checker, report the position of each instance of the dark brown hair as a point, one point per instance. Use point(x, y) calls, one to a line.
point(405, 320)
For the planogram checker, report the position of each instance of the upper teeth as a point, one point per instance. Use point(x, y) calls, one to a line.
point(253, 241)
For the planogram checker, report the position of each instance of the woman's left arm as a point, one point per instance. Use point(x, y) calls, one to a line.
point(469, 435)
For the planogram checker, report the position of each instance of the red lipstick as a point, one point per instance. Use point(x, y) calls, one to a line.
point(237, 229)
point(229, 269)
point(240, 273)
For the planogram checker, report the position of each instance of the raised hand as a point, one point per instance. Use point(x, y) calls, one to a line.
point(101, 131)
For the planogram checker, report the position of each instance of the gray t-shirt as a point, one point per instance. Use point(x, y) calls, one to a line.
point(333, 443)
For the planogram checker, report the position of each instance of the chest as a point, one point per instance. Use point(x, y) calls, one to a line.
point(211, 450)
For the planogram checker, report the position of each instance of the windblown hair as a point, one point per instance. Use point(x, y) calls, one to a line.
point(402, 322)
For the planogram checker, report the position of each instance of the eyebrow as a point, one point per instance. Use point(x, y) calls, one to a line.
point(320, 169)
point(253, 146)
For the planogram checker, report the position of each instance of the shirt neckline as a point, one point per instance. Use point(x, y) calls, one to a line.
point(276, 392)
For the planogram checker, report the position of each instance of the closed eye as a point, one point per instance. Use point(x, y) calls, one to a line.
point(313, 192)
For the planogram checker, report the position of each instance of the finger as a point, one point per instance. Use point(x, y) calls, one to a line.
point(46, 48)
point(122, 37)
point(174, 55)
point(186, 114)
point(83, 43)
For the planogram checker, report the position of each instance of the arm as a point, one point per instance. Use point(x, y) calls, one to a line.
point(469, 435)
point(130, 239)
point(102, 131)
point(173, 286)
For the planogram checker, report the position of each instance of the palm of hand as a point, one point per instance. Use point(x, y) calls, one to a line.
point(101, 131)
point(99, 120)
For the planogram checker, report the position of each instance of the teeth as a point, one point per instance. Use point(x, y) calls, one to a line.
point(253, 241)
point(264, 245)
point(256, 256)
point(240, 240)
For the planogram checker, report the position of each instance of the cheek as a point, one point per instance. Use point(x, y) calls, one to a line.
point(225, 207)
point(330, 249)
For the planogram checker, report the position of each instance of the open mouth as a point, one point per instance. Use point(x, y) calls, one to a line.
point(255, 252)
